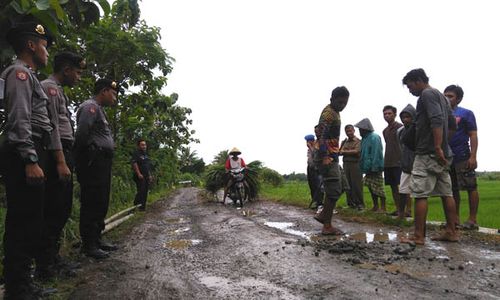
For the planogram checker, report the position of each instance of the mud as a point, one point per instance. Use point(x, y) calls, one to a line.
point(187, 248)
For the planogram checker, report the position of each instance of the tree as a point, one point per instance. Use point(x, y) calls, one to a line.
point(190, 163)
point(221, 157)
point(54, 14)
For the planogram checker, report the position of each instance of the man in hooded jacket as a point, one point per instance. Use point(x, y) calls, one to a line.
point(372, 163)
point(406, 138)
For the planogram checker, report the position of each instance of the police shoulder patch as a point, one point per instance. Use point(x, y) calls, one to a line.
point(21, 75)
point(52, 91)
point(92, 109)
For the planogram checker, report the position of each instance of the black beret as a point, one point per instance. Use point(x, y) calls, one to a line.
point(29, 28)
point(105, 83)
point(73, 59)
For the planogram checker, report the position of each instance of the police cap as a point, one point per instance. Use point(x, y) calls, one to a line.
point(29, 29)
point(69, 58)
point(105, 83)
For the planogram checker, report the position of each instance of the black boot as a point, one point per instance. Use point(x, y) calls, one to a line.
point(107, 246)
point(94, 252)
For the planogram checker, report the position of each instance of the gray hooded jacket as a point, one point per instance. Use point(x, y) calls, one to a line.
point(407, 154)
point(365, 124)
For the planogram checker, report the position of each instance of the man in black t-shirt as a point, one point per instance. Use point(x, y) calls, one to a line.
point(142, 173)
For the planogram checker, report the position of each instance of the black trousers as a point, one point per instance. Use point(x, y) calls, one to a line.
point(93, 171)
point(24, 219)
point(314, 180)
point(57, 209)
point(141, 197)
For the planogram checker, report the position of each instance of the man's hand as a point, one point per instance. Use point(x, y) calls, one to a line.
point(472, 163)
point(150, 179)
point(63, 171)
point(440, 156)
point(140, 176)
point(34, 174)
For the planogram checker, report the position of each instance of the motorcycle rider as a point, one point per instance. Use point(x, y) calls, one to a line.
point(233, 162)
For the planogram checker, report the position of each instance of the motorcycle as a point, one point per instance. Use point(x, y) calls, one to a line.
point(237, 191)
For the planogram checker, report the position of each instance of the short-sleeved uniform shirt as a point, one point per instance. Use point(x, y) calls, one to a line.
point(60, 115)
point(93, 127)
point(143, 162)
point(354, 144)
point(459, 143)
point(26, 107)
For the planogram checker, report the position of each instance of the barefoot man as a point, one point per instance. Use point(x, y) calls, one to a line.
point(329, 126)
point(430, 175)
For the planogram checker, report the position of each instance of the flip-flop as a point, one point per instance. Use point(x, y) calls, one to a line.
point(469, 226)
point(445, 237)
point(335, 231)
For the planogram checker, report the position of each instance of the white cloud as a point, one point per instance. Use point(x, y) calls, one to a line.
point(258, 73)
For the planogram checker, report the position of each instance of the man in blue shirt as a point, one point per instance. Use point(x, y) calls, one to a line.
point(463, 175)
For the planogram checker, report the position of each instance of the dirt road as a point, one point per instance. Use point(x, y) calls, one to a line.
point(188, 248)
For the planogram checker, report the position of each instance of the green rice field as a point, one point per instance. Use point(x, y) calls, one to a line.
point(297, 193)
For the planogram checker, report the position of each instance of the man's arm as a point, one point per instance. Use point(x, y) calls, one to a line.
point(135, 166)
point(437, 134)
point(19, 92)
point(55, 139)
point(472, 162)
point(86, 117)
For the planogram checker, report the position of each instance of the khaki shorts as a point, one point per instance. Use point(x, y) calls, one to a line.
point(404, 184)
point(463, 178)
point(429, 178)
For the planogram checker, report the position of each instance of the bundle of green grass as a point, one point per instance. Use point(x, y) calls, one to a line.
point(216, 178)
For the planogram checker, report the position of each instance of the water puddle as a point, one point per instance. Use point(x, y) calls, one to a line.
point(181, 230)
point(369, 237)
point(285, 227)
point(175, 220)
point(248, 213)
point(434, 246)
point(490, 255)
point(181, 244)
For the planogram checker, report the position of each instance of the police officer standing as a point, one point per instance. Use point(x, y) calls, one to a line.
point(94, 147)
point(68, 68)
point(26, 133)
point(141, 165)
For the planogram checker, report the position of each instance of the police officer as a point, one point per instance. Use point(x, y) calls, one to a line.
point(26, 132)
point(68, 68)
point(141, 165)
point(94, 147)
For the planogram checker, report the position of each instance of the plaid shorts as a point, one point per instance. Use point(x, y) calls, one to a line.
point(375, 184)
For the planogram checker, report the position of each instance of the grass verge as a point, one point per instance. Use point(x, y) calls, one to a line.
point(297, 193)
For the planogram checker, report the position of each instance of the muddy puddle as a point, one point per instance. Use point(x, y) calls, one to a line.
point(181, 244)
point(369, 237)
point(176, 220)
point(248, 213)
point(287, 227)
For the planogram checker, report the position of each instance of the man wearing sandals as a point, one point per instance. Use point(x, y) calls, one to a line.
point(463, 174)
point(430, 175)
point(328, 157)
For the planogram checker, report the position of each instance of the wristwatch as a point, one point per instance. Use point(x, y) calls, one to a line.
point(31, 159)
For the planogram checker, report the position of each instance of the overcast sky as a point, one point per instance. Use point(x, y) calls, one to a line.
point(258, 73)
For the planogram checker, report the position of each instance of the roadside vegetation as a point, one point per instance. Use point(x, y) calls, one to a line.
point(296, 192)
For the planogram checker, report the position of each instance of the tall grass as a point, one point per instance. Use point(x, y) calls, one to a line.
point(297, 193)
